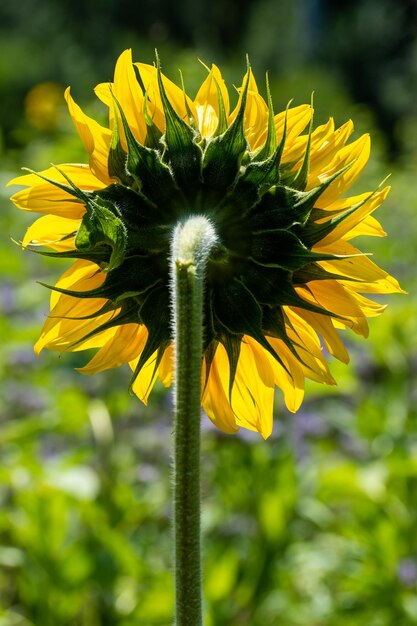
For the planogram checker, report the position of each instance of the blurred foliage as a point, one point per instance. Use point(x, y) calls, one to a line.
point(315, 526)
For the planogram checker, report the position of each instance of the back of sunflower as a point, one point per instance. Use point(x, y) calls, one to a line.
point(210, 246)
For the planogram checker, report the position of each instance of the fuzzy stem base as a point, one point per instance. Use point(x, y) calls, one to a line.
point(192, 242)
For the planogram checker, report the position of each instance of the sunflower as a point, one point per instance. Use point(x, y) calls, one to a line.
point(282, 280)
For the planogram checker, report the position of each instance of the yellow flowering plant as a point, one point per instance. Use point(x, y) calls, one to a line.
point(211, 244)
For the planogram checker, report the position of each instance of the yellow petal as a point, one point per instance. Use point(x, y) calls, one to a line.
point(145, 381)
point(166, 367)
point(297, 119)
point(176, 96)
point(368, 307)
point(295, 152)
point(253, 389)
point(81, 276)
point(64, 326)
point(125, 345)
point(207, 102)
point(52, 231)
point(337, 299)
point(96, 139)
point(289, 380)
point(356, 155)
point(129, 95)
point(324, 151)
point(370, 278)
point(369, 227)
point(215, 399)
point(332, 296)
point(307, 345)
point(324, 326)
point(346, 228)
point(79, 173)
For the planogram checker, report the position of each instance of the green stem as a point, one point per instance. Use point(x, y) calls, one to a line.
point(192, 241)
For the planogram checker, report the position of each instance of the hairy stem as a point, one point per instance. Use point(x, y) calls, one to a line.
point(192, 242)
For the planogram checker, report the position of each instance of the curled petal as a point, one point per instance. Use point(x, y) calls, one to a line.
point(145, 381)
point(124, 345)
point(52, 231)
point(96, 139)
point(215, 398)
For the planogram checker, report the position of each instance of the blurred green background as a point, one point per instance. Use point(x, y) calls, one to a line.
point(316, 526)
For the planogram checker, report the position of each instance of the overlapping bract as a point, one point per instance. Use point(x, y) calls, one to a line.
point(283, 280)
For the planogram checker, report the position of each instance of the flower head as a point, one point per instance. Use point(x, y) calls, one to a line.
point(284, 276)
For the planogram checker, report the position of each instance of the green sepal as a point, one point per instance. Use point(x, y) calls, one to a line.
point(71, 189)
point(135, 277)
point(281, 145)
point(192, 121)
point(223, 154)
point(313, 232)
point(183, 154)
point(222, 123)
point(237, 311)
point(274, 287)
point(99, 226)
point(117, 159)
point(151, 175)
point(209, 354)
point(145, 229)
point(281, 248)
point(106, 308)
point(300, 179)
point(270, 146)
point(265, 283)
point(316, 272)
point(155, 314)
point(100, 256)
point(274, 326)
point(126, 315)
point(153, 134)
point(258, 177)
point(232, 344)
point(285, 207)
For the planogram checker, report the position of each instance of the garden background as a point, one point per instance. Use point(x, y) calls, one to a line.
point(316, 526)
